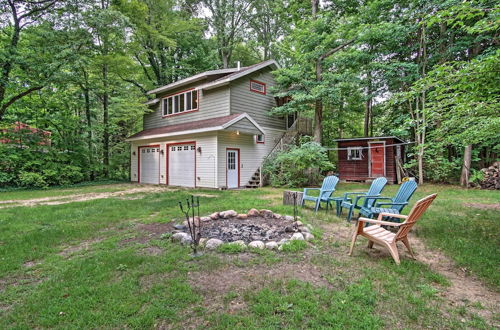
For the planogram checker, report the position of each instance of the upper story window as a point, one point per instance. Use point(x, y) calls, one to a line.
point(257, 87)
point(180, 102)
point(354, 153)
point(259, 138)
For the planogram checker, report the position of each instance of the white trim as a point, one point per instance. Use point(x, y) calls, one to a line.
point(370, 158)
point(153, 101)
point(200, 130)
point(188, 80)
point(360, 149)
point(225, 81)
point(273, 129)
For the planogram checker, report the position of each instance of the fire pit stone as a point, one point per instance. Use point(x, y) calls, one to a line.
point(256, 229)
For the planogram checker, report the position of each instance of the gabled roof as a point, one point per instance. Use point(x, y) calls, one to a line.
point(200, 126)
point(229, 75)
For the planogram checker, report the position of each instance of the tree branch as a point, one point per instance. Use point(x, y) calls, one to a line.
point(17, 97)
point(336, 49)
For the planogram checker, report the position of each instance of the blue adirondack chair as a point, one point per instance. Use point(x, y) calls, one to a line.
point(326, 190)
point(391, 205)
point(375, 189)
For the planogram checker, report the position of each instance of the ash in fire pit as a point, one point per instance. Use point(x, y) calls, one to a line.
point(258, 229)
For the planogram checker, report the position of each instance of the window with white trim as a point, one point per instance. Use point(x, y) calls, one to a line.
point(258, 87)
point(179, 103)
point(259, 138)
point(355, 153)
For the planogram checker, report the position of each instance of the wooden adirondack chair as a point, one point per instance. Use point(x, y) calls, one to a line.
point(375, 189)
point(393, 205)
point(378, 235)
point(326, 190)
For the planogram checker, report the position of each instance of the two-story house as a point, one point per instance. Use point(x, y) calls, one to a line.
point(212, 130)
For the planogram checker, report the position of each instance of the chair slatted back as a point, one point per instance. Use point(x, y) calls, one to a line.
point(415, 214)
point(404, 193)
point(329, 183)
point(375, 189)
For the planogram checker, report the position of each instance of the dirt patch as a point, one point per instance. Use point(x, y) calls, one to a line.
point(83, 246)
point(57, 200)
point(484, 206)
point(30, 264)
point(205, 195)
point(148, 281)
point(151, 251)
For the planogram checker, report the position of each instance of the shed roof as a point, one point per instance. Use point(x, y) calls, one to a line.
point(371, 138)
point(200, 126)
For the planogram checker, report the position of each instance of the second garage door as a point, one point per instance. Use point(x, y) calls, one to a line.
point(181, 165)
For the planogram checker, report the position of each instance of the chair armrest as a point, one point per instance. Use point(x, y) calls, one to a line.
point(326, 191)
point(346, 198)
point(391, 215)
point(379, 222)
point(368, 197)
point(380, 204)
point(307, 189)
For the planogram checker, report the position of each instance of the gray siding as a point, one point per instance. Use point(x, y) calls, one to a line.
point(255, 104)
point(245, 126)
point(212, 103)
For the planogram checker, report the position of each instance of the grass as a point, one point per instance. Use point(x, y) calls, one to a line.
point(105, 279)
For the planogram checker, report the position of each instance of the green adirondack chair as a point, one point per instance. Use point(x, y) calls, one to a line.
point(326, 190)
point(375, 189)
point(391, 205)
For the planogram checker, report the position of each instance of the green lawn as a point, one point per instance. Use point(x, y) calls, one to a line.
point(91, 264)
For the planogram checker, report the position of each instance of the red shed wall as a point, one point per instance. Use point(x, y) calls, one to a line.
point(359, 169)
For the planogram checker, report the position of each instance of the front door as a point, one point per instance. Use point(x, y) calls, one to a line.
point(233, 168)
point(377, 159)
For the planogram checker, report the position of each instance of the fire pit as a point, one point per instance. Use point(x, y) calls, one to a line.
point(255, 229)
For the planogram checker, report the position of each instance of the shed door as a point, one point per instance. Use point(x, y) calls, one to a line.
point(181, 165)
point(149, 162)
point(377, 159)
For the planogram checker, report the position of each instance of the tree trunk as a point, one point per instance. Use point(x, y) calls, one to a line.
point(464, 178)
point(318, 110)
point(88, 117)
point(105, 121)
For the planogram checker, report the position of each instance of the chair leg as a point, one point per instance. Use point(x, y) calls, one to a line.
point(406, 242)
point(353, 240)
point(349, 215)
point(370, 244)
point(393, 249)
point(316, 207)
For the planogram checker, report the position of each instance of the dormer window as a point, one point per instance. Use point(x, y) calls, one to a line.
point(259, 138)
point(258, 87)
point(180, 103)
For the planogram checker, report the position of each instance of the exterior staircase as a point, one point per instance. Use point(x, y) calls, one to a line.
point(302, 126)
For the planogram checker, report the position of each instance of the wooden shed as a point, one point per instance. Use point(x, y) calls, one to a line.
point(364, 159)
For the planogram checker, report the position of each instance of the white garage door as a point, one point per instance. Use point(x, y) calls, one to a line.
point(150, 164)
point(181, 165)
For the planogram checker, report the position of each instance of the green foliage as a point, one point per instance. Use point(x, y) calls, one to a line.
point(288, 168)
point(32, 179)
point(294, 246)
point(231, 248)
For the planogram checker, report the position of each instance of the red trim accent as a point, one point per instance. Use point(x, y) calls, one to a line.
point(180, 113)
point(258, 82)
point(168, 153)
point(263, 137)
point(139, 161)
point(239, 165)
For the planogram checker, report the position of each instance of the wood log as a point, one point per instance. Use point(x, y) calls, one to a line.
point(288, 197)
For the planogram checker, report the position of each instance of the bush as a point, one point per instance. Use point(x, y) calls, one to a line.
point(299, 166)
point(32, 179)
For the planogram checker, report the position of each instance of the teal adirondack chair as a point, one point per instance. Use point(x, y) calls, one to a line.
point(374, 191)
point(326, 190)
point(391, 205)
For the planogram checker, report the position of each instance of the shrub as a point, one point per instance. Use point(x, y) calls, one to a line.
point(32, 179)
point(298, 166)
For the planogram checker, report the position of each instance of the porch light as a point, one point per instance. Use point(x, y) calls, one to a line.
point(237, 132)
point(199, 149)
point(133, 153)
point(162, 151)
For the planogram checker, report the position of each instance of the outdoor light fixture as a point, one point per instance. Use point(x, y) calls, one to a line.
point(237, 132)
point(133, 153)
point(162, 151)
point(199, 149)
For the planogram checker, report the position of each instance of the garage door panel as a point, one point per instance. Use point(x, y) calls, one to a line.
point(181, 165)
point(149, 165)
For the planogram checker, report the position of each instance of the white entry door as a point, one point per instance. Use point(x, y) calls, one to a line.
point(233, 168)
point(181, 165)
point(149, 164)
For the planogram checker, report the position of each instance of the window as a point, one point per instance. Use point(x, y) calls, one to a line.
point(179, 103)
point(231, 161)
point(257, 87)
point(259, 138)
point(354, 153)
point(173, 149)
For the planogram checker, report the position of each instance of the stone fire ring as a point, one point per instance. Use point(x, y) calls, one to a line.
point(273, 230)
